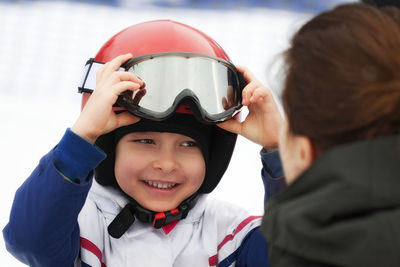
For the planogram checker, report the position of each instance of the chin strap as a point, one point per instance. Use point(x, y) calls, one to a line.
point(126, 217)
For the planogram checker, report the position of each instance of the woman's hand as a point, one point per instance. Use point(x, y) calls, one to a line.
point(264, 120)
point(98, 117)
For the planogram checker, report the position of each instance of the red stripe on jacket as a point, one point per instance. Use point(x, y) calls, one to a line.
point(88, 245)
point(213, 260)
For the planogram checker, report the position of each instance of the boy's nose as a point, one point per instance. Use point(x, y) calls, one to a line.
point(166, 160)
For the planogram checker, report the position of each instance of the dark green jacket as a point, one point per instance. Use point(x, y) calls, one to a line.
point(343, 211)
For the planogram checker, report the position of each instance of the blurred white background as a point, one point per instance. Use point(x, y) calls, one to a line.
point(45, 44)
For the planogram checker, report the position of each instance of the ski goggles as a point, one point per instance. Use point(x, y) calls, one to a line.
point(211, 86)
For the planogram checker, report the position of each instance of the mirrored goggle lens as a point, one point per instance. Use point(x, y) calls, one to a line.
point(214, 85)
point(211, 83)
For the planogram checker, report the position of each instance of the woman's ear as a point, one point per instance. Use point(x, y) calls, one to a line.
point(307, 151)
point(297, 152)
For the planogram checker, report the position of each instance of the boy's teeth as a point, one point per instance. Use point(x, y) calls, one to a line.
point(160, 185)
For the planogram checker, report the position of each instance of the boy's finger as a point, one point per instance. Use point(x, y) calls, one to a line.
point(248, 92)
point(128, 76)
point(126, 118)
point(247, 74)
point(111, 69)
point(233, 126)
point(113, 65)
point(259, 94)
point(125, 85)
point(116, 63)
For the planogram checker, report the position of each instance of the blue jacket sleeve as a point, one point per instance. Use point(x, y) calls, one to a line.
point(272, 173)
point(253, 250)
point(43, 228)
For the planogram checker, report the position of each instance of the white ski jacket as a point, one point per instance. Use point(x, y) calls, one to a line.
point(211, 232)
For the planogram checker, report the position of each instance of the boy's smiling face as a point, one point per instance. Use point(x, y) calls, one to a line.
point(159, 170)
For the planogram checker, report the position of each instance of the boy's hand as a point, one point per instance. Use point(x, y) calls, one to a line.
point(264, 120)
point(98, 117)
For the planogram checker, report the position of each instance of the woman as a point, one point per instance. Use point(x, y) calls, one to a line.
point(340, 143)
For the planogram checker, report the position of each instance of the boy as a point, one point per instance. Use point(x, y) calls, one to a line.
point(147, 205)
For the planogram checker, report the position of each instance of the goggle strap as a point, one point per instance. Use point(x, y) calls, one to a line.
point(88, 79)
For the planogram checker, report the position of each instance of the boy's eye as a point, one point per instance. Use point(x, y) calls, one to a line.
point(144, 141)
point(189, 144)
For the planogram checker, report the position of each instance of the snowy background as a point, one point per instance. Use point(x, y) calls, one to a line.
point(45, 44)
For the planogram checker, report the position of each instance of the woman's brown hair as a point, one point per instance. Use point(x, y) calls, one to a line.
point(343, 76)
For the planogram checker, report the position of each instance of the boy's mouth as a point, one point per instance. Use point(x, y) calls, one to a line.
point(160, 185)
